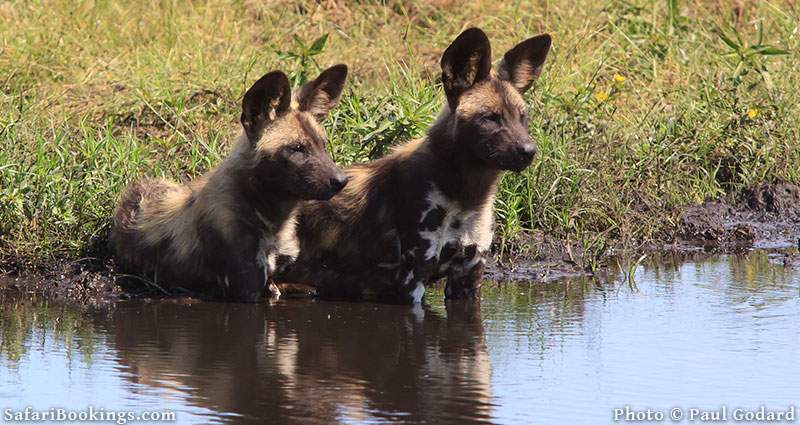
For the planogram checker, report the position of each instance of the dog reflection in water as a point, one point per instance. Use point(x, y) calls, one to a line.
point(304, 361)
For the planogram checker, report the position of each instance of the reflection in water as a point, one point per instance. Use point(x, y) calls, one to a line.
point(32, 322)
point(696, 333)
point(311, 362)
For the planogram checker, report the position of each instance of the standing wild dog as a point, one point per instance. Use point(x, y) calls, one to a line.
point(425, 210)
point(222, 233)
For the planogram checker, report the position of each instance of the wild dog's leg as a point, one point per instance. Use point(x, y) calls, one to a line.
point(414, 271)
point(274, 289)
point(465, 274)
point(245, 274)
point(409, 285)
point(245, 283)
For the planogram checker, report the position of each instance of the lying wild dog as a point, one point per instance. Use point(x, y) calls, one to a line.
point(425, 210)
point(222, 233)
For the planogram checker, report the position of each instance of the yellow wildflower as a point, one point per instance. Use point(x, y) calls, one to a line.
point(619, 79)
point(752, 113)
point(601, 96)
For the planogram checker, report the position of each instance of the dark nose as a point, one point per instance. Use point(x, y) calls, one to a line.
point(526, 150)
point(338, 182)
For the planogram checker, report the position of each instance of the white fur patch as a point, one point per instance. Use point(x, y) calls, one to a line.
point(418, 292)
point(265, 257)
point(273, 244)
point(274, 291)
point(286, 239)
point(409, 278)
point(474, 226)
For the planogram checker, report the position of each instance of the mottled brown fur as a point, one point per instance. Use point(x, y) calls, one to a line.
point(425, 210)
point(222, 234)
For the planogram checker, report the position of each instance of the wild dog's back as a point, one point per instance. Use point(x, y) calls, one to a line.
point(148, 214)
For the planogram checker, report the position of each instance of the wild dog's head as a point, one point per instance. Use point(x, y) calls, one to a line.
point(491, 117)
point(287, 142)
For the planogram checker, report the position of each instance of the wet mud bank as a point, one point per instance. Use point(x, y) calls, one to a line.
point(762, 217)
point(85, 281)
point(765, 216)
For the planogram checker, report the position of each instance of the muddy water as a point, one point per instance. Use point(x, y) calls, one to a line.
point(702, 333)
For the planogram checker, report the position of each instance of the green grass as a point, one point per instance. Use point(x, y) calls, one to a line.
point(95, 95)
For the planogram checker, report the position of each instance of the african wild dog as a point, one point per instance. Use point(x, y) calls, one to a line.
point(425, 210)
point(222, 233)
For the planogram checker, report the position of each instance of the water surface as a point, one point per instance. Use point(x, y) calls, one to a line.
point(702, 333)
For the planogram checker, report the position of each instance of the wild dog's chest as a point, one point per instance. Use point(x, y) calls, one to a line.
point(446, 228)
point(266, 255)
point(277, 246)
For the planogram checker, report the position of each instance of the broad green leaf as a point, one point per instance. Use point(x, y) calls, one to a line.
point(318, 45)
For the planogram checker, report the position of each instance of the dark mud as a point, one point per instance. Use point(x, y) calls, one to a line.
point(537, 257)
point(762, 217)
point(86, 281)
point(765, 216)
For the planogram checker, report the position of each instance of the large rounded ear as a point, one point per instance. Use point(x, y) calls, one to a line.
point(522, 64)
point(466, 61)
point(269, 97)
point(321, 95)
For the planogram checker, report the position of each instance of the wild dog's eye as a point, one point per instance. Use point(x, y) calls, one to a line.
point(297, 147)
point(492, 116)
point(523, 115)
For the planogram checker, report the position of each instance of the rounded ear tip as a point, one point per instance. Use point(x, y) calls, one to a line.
point(338, 71)
point(472, 30)
point(276, 75)
point(340, 68)
point(544, 38)
point(473, 33)
point(472, 39)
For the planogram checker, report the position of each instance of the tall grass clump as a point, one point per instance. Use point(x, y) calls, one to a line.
point(644, 106)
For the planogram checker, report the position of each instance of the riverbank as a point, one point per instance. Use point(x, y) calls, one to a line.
point(766, 216)
point(763, 217)
point(527, 354)
point(643, 108)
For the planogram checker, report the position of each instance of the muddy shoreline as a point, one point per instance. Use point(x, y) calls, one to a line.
point(762, 217)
